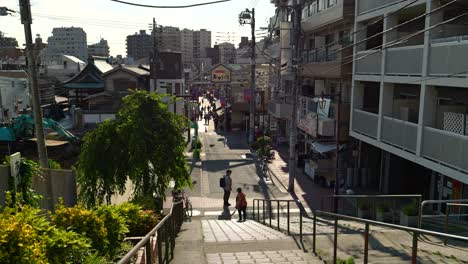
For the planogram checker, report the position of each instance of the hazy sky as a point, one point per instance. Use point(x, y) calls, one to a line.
point(114, 21)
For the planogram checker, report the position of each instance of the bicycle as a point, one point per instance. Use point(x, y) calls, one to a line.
point(188, 209)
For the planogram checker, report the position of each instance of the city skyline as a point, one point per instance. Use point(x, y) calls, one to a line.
point(114, 22)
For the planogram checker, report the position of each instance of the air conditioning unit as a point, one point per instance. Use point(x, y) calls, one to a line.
point(326, 127)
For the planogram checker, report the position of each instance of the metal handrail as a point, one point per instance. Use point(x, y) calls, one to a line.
point(375, 197)
point(423, 203)
point(416, 232)
point(145, 241)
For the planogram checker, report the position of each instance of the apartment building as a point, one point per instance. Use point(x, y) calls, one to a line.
point(99, 49)
point(325, 47)
point(169, 39)
point(68, 41)
point(410, 95)
point(201, 41)
point(186, 46)
point(227, 53)
point(139, 45)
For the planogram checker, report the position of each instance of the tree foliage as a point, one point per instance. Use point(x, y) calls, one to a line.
point(144, 143)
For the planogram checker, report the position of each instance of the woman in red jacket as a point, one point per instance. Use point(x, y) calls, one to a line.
point(241, 205)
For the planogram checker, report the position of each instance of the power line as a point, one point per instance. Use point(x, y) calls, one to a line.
point(397, 41)
point(323, 50)
point(373, 22)
point(181, 6)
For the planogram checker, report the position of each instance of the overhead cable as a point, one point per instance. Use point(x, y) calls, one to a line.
point(179, 6)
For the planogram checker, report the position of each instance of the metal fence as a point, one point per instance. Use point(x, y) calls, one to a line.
point(271, 212)
point(162, 236)
point(383, 208)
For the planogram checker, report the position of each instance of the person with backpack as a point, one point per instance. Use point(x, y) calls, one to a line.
point(241, 205)
point(226, 183)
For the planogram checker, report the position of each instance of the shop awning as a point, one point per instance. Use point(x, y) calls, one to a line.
point(323, 147)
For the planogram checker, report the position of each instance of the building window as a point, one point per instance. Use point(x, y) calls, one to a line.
point(322, 5)
point(332, 3)
point(313, 8)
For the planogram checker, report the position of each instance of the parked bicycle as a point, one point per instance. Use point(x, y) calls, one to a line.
point(181, 195)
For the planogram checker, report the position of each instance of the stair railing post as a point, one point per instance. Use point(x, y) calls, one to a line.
point(263, 205)
point(314, 234)
point(278, 212)
point(414, 255)
point(300, 224)
point(270, 211)
point(288, 219)
point(258, 211)
point(366, 244)
point(253, 212)
point(335, 240)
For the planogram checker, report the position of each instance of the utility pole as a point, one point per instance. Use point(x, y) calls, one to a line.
point(253, 68)
point(249, 15)
point(155, 56)
point(26, 20)
point(296, 65)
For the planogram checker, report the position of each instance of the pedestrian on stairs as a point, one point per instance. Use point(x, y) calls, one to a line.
point(241, 205)
point(227, 187)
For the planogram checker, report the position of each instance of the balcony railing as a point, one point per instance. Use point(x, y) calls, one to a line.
point(319, 55)
point(446, 147)
point(404, 60)
point(365, 6)
point(447, 59)
point(365, 123)
point(368, 62)
point(400, 133)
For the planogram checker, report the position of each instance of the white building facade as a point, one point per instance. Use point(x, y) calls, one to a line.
point(69, 41)
point(99, 49)
point(410, 94)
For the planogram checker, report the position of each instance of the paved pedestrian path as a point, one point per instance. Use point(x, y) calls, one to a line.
point(211, 241)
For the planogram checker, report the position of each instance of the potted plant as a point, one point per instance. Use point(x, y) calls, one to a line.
point(409, 215)
point(383, 213)
point(363, 209)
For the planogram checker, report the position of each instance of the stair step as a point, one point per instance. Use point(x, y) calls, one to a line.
point(272, 256)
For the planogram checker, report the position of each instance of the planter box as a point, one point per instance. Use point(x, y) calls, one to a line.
point(364, 213)
point(406, 220)
point(383, 216)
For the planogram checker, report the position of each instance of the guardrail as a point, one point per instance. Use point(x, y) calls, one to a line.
point(165, 231)
point(263, 213)
point(423, 203)
point(349, 204)
point(416, 232)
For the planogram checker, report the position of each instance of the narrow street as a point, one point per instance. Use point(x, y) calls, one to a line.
point(222, 151)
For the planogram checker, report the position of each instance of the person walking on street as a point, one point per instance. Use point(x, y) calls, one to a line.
point(227, 187)
point(241, 205)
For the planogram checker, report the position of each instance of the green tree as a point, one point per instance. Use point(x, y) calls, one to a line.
point(144, 143)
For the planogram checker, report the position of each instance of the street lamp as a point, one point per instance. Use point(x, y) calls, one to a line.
point(248, 17)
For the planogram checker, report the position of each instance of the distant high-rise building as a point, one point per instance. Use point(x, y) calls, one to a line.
point(139, 45)
point(68, 41)
point(214, 54)
point(201, 41)
point(244, 42)
point(169, 39)
point(186, 46)
point(99, 49)
point(6, 42)
point(227, 53)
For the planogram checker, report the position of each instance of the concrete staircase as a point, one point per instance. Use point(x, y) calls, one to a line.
point(207, 240)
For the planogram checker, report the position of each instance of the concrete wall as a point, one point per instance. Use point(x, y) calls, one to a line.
point(62, 184)
point(4, 174)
